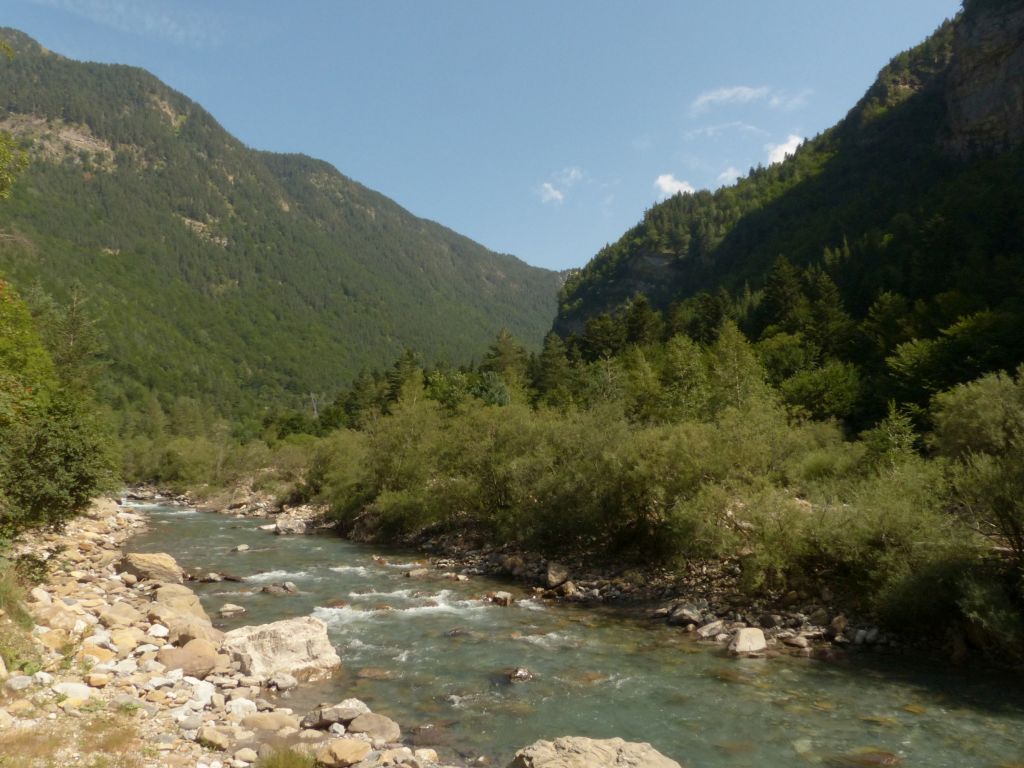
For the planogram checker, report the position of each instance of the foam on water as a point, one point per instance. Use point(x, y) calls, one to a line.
point(279, 575)
point(358, 570)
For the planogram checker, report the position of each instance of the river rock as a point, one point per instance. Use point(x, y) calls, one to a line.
point(377, 727)
point(711, 629)
point(683, 615)
point(579, 752)
point(290, 527)
point(3, 670)
point(556, 575)
point(198, 658)
point(154, 567)
point(214, 738)
point(342, 753)
point(325, 717)
point(119, 616)
point(17, 683)
point(283, 681)
point(230, 609)
point(76, 691)
point(747, 641)
point(269, 721)
point(504, 599)
point(299, 647)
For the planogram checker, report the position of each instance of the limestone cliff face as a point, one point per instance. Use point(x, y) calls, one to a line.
point(985, 85)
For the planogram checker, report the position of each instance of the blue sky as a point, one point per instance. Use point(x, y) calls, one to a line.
point(542, 128)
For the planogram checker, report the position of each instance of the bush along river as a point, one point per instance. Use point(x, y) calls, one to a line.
point(474, 679)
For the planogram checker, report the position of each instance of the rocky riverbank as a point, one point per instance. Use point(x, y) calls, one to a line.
point(128, 670)
point(703, 599)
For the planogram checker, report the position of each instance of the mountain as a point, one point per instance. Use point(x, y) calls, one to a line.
point(218, 272)
point(916, 195)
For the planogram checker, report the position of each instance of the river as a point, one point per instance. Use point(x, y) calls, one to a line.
point(432, 655)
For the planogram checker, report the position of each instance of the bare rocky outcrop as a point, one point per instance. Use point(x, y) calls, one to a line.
point(985, 86)
point(580, 752)
point(299, 647)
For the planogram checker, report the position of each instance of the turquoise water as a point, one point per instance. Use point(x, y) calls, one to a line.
point(432, 655)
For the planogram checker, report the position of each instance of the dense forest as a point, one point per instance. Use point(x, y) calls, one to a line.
point(884, 255)
point(233, 278)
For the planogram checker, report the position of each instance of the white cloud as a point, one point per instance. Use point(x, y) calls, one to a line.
point(775, 98)
point(669, 185)
point(569, 177)
point(144, 17)
point(713, 131)
point(737, 94)
point(549, 193)
point(555, 189)
point(778, 152)
point(729, 176)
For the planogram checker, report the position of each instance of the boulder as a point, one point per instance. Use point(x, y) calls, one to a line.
point(270, 721)
point(579, 752)
point(119, 616)
point(746, 641)
point(290, 527)
point(198, 658)
point(325, 717)
point(342, 753)
point(556, 575)
point(154, 567)
point(711, 629)
point(128, 639)
point(214, 738)
point(178, 608)
point(377, 727)
point(72, 690)
point(299, 647)
point(683, 615)
point(504, 599)
point(181, 600)
point(230, 609)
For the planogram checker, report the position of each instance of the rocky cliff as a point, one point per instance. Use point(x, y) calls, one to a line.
point(985, 86)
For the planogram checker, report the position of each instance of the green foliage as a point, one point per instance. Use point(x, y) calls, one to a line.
point(982, 416)
point(873, 253)
point(55, 448)
point(287, 758)
point(53, 465)
point(237, 278)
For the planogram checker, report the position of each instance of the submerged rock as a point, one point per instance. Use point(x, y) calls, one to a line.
point(580, 752)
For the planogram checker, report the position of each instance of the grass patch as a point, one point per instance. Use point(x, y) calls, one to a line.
point(23, 747)
point(16, 646)
point(109, 735)
point(286, 758)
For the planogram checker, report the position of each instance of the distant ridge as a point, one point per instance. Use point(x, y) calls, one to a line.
point(230, 275)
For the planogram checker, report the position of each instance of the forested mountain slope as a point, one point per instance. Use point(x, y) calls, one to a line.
point(222, 273)
point(916, 195)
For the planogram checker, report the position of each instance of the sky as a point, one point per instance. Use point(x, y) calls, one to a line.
point(541, 128)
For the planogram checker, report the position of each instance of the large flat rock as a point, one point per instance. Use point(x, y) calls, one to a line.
point(580, 752)
point(299, 647)
point(156, 566)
